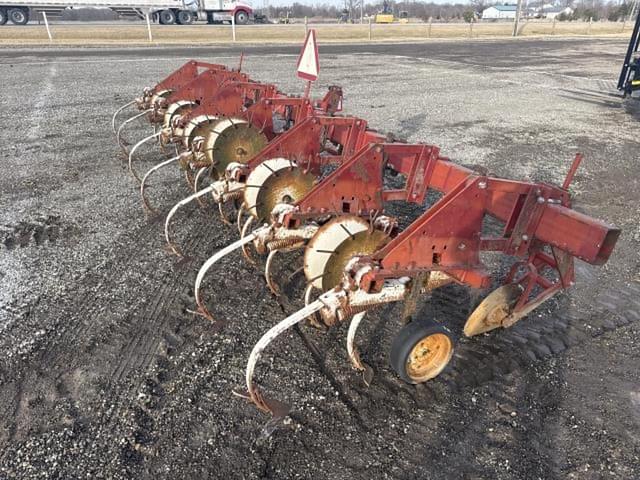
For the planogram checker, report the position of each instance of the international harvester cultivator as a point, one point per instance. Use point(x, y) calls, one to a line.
point(309, 179)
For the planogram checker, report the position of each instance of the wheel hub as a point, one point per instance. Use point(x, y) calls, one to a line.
point(428, 357)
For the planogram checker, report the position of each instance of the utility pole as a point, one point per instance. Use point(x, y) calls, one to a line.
point(516, 20)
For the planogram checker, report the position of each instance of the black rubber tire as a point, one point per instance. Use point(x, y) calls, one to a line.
point(3, 16)
point(167, 17)
point(407, 338)
point(18, 16)
point(184, 17)
point(242, 17)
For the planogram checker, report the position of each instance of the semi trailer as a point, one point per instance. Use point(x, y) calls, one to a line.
point(165, 12)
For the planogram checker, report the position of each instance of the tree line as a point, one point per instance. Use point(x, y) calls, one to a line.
point(612, 10)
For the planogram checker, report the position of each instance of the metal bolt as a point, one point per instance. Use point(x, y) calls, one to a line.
point(482, 185)
point(540, 199)
point(462, 246)
point(525, 237)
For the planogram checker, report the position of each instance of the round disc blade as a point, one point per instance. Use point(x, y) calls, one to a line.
point(335, 243)
point(289, 186)
point(232, 140)
point(492, 310)
point(178, 108)
point(197, 127)
point(158, 95)
point(275, 181)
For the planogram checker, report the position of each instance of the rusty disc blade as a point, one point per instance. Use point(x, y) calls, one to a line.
point(232, 140)
point(285, 186)
point(492, 310)
point(335, 243)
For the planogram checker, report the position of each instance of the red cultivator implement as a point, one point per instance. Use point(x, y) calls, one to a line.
point(149, 103)
point(232, 144)
point(322, 183)
point(361, 260)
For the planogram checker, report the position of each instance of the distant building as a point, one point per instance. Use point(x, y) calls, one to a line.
point(553, 12)
point(497, 12)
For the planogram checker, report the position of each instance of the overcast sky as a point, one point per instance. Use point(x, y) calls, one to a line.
point(338, 3)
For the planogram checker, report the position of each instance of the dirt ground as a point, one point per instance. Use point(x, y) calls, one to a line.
point(106, 374)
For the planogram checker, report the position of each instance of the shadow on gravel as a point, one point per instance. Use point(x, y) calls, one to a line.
point(632, 107)
point(594, 97)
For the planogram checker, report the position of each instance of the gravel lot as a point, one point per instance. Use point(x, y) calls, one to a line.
point(106, 374)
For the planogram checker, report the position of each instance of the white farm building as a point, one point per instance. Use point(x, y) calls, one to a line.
point(553, 12)
point(497, 12)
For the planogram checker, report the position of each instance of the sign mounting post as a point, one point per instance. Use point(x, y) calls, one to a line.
point(308, 62)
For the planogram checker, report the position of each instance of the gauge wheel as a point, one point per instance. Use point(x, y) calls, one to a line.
point(421, 350)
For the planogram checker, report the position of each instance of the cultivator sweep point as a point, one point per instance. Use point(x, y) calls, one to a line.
point(315, 181)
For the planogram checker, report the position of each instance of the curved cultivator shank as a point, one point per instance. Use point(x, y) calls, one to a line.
point(315, 181)
point(123, 143)
point(117, 112)
point(202, 308)
point(133, 150)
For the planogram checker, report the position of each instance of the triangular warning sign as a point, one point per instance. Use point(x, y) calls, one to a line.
point(308, 63)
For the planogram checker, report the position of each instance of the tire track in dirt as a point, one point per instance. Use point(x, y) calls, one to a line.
point(480, 361)
point(74, 326)
point(17, 400)
point(92, 295)
point(138, 353)
point(138, 237)
point(93, 280)
point(86, 308)
point(127, 376)
point(37, 232)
